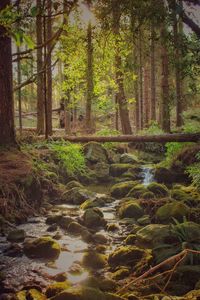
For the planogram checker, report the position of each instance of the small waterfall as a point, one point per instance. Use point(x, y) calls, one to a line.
point(147, 175)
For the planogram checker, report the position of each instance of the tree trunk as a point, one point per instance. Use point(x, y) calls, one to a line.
point(120, 95)
point(90, 84)
point(153, 75)
point(165, 112)
point(178, 75)
point(141, 100)
point(146, 97)
point(40, 76)
point(7, 132)
point(49, 72)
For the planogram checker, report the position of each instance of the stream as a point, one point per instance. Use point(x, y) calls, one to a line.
point(20, 271)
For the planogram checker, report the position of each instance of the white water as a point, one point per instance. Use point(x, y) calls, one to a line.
point(148, 176)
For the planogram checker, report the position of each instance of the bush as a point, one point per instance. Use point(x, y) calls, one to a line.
point(173, 149)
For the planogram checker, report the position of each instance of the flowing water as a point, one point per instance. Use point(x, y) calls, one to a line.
point(147, 175)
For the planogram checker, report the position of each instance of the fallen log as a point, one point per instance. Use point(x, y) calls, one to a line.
point(163, 138)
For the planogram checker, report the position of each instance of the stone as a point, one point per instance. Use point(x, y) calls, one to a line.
point(112, 227)
point(121, 273)
point(52, 228)
point(100, 238)
point(117, 170)
point(75, 228)
point(93, 217)
point(65, 221)
point(130, 209)
point(148, 195)
point(102, 172)
point(53, 219)
point(137, 191)
point(77, 196)
point(159, 190)
point(95, 152)
point(130, 239)
point(98, 202)
point(121, 189)
point(93, 260)
point(175, 209)
point(56, 288)
point(144, 220)
point(31, 294)
point(16, 236)
point(44, 247)
point(128, 158)
point(72, 184)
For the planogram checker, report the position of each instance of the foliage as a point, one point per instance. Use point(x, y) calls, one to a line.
point(153, 128)
point(70, 156)
point(194, 172)
point(108, 132)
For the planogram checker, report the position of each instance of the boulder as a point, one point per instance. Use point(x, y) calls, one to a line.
point(117, 170)
point(128, 158)
point(137, 191)
point(121, 189)
point(93, 217)
point(100, 238)
point(121, 273)
point(77, 196)
point(16, 236)
point(75, 228)
point(130, 239)
point(44, 247)
point(93, 260)
point(56, 288)
point(97, 202)
point(31, 294)
point(148, 195)
point(53, 219)
point(72, 184)
point(175, 209)
point(95, 152)
point(159, 190)
point(102, 172)
point(65, 221)
point(130, 209)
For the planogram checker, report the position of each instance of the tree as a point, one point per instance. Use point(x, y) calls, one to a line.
point(7, 132)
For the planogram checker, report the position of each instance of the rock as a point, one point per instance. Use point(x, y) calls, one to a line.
point(31, 294)
point(53, 219)
point(52, 228)
point(168, 176)
point(14, 250)
point(65, 221)
point(76, 269)
point(75, 228)
point(16, 236)
point(56, 288)
point(148, 195)
point(72, 184)
point(104, 284)
point(167, 212)
point(145, 220)
point(117, 170)
point(93, 217)
point(120, 190)
point(130, 240)
point(99, 238)
point(130, 209)
point(86, 236)
point(102, 172)
point(126, 256)
point(60, 277)
point(155, 234)
point(112, 227)
point(95, 152)
point(137, 191)
point(159, 190)
point(93, 260)
point(44, 247)
point(77, 196)
point(98, 202)
point(121, 273)
point(134, 173)
point(127, 158)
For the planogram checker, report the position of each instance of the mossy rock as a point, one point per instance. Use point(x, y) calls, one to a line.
point(94, 261)
point(175, 209)
point(137, 191)
point(130, 239)
point(98, 202)
point(117, 170)
point(127, 158)
point(121, 189)
point(77, 196)
point(56, 288)
point(95, 152)
point(100, 238)
point(104, 284)
point(53, 219)
point(16, 236)
point(72, 184)
point(144, 220)
point(126, 255)
point(75, 228)
point(159, 190)
point(31, 294)
point(148, 195)
point(93, 217)
point(130, 209)
point(44, 247)
point(112, 227)
point(65, 221)
point(121, 273)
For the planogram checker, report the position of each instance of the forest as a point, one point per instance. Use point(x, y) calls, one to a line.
point(99, 149)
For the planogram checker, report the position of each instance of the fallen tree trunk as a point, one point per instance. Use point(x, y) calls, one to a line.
point(163, 138)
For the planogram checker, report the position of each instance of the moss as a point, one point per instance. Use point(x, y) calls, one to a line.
point(72, 184)
point(75, 228)
point(180, 195)
point(159, 190)
point(130, 240)
point(121, 273)
point(93, 217)
point(177, 210)
point(117, 170)
point(137, 191)
point(148, 195)
point(126, 255)
point(31, 294)
point(120, 190)
point(92, 203)
point(44, 247)
point(56, 288)
point(93, 260)
point(130, 209)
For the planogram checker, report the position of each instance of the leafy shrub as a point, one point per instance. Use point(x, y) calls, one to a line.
point(154, 128)
point(173, 149)
point(70, 155)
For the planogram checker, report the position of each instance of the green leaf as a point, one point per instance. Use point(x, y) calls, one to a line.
point(29, 42)
point(34, 11)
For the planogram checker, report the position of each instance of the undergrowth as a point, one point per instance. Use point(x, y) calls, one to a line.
point(108, 132)
point(194, 173)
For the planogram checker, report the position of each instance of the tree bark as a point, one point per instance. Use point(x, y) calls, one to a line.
point(165, 112)
point(7, 132)
point(141, 100)
point(146, 97)
point(153, 75)
point(49, 72)
point(40, 76)
point(120, 94)
point(90, 84)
